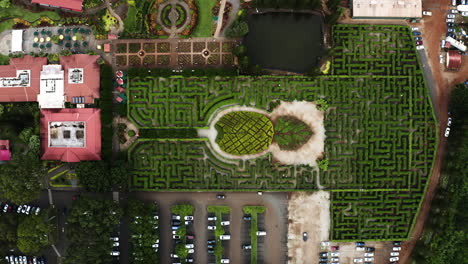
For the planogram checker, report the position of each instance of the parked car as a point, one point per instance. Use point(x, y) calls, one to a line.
point(450, 20)
point(115, 253)
point(211, 241)
point(414, 29)
point(175, 237)
point(323, 259)
point(175, 227)
point(323, 254)
point(419, 42)
point(450, 16)
point(20, 209)
point(175, 222)
point(450, 30)
point(304, 236)
point(359, 248)
point(225, 223)
point(441, 59)
point(360, 244)
point(368, 259)
point(175, 217)
point(427, 13)
point(449, 121)
point(395, 254)
point(188, 217)
point(261, 233)
point(335, 248)
point(211, 246)
point(224, 260)
point(396, 248)
point(188, 222)
point(357, 260)
point(115, 244)
point(211, 218)
point(191, 251)
point(442, 43)
point(247, 217)
point(416, 33)
point(189, 246)
point(190, 237)
point(221, 196)
point(395, 259)
point(335, 254)
point(245, 247)
point(370, 249)
point(225, 237)
point(464, 14)
point(417, 38)
point(335, 259)
point(189, 260)
point(211, 227)
point(114, 239)
point(454, 11)
point(210, 251)
point(371, 254)
point(451, 34)
point(325, 243)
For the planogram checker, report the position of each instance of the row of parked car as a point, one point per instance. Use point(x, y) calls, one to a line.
point(24, 260)
point(22, 209)
point(211, 244)
point(417, 38)
point(187, 220)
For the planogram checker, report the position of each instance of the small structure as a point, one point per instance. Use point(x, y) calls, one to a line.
point(388, 9)
point(457, 44)
point(52, 87)
point(111, 36)
point(5, 153)
point(71, 134)
point(16, 40)
point(453, 61)
point(107, 47)
point(74, 5)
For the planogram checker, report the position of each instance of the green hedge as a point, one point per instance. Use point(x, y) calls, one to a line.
point(106, 106)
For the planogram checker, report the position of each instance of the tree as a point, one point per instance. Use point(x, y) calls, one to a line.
point(5, 3)
point(238, 29)
point(90, 223)
point(33, 234)
point(119, 174)
point(8, 235)
point(94, 175)
point(21, 179)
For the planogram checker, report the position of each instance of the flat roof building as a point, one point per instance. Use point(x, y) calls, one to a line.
point(387, 9)
point(74, 5)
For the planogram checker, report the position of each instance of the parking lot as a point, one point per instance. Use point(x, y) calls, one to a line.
point(271, 249)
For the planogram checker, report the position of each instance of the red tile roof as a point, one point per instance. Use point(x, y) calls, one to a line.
point(107, 47)
point(75, 5)
point(5, 150)
point(89, 89)
point(22, 94)
point(92, 148)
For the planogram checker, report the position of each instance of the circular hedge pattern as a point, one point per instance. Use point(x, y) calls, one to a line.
point(243, 132)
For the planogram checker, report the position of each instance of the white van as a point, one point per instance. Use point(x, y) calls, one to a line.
point(225, 237)
point(261, 233)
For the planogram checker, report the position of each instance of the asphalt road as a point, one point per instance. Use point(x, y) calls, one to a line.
point(273, 246)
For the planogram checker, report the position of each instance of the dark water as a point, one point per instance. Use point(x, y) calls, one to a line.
point(285, 41)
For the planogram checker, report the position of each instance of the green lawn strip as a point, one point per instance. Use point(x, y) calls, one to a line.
point(219, 211)
point(182, 210)
point(204, 27)
point(18, 12)
point(130, 22)
point(253, 211)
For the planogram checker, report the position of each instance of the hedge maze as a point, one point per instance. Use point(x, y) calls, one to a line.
point(380, 133)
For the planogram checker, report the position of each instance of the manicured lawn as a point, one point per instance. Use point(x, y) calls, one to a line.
point(17, 12)
point(204, 26)
point(130, 22)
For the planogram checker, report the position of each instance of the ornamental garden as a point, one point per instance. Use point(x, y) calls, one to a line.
point(379, 127)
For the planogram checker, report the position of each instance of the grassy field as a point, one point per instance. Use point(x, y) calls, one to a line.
point(204, 27)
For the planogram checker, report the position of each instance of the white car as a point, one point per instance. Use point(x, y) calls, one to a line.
point(357, 260)
point(224, 260)
point(211, 227)
point(449, 121)
point(442, 43)
point(155, 246)
point(335, 259)
point(396, 248)
point(261, 233)
point(325, 243)
point(447, 131)
point(174, 232)
point(335, 254)
point(20, 208)
point(394, 259)
point(175, 237)
point(115, 253)
point(450, 20)
point(114, 239)
point(212, 218)
point(174, 256)
point(420, 47)
point(450, 16)
point(395, 254)
point(450, 30)
point(441, 58)
point(371, 254)
point(414, 29)
point(38, 210)
point(189, 246)
point(464, 13)
point(368, 259)
point(115, 244)
point(453, 11)
point(191, 251)
point(360, 248)
point(188, 217)
point(225, 237)
point(427, 13)
point(225, 223)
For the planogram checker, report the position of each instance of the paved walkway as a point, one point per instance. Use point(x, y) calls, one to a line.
point(220, 18)
point(119, 20)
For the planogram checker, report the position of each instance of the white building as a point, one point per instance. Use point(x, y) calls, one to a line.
point(387, 9)
point(16, 40)
point(52, 93)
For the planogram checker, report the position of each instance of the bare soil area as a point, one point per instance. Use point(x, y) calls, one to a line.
point(308, 212)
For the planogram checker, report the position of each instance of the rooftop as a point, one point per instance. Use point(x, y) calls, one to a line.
point(387, 8)
point(75, 5)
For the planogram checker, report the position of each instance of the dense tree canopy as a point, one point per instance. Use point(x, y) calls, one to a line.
point(446, 233)
point(99, 176)
point(294, 4)
point(33, 234)
point(8, 235)
point(90, 223)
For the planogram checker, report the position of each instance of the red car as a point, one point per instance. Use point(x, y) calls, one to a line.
point(335, 248)
point(419, 42)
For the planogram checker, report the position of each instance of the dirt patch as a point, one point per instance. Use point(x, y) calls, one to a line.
point(308, 212)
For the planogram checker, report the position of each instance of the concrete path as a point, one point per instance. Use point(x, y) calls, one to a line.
point(220, 18)
point(119, 20)
point(232, 15)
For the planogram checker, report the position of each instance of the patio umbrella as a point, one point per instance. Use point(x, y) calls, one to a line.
point(36, 39)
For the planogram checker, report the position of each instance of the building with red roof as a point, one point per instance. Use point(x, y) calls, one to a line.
point(74, 5)
point(82, 74)
point(5, 153)
point(71, 134)
point(454, 60)
point(20, 81)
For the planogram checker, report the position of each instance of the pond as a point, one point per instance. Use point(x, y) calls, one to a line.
point(285, 41)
